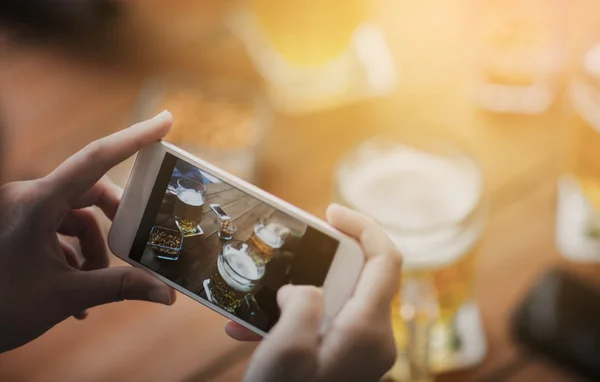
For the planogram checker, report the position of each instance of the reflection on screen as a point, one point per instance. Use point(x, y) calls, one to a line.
point(226, 246)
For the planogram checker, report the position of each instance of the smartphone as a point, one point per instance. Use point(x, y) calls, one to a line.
point(226, 243)
point(560, 320)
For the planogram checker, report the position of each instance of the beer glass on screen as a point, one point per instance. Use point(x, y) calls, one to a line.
point(428, 196)
point(517, 52)
point(268, 237)
point(239, 269)
point(578, 210)
point(189, 206)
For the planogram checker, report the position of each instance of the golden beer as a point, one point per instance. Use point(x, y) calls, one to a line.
point(267, 239)
point(429, 200)
point(238, 271)
point(315, 54)
point(308, 33)
point(189, 205)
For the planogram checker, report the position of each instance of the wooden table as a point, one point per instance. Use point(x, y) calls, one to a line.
point(53, 103)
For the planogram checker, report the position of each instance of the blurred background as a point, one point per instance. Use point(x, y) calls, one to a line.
point(470, 129)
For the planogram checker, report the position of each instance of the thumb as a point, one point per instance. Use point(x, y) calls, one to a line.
point(302, 310)
point(290, 350)
point(113, 284)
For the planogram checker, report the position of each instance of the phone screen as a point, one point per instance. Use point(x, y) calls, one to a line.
point(236, 260)
point(218, 210)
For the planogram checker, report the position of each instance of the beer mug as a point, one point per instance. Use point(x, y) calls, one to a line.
point(517, 52)
point(578, 210)
point(238, 271)
point(315, 54)
point(268, 237)
point(189, 206)
point(428, 196)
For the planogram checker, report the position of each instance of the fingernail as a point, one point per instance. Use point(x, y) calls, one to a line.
point(160, 295)
point(163, 115)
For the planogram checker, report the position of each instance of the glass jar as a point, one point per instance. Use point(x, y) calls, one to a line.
point(221, 121)
point(517, 51)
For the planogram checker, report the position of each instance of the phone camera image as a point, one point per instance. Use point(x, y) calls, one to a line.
point(239, 268)
point(225, 246)
point(189, 206)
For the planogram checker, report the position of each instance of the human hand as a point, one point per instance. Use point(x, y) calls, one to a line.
point(43, 278)
point(359, 345)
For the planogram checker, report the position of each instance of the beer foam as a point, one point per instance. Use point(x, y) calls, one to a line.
point(191, 197)
point(245, 270)
point(269, 235)
point(416, 196)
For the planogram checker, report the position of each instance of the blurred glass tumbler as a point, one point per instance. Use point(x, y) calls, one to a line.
point(220, 121)
point(428, 196)
point(315, 54)
point(519, 48)
point(578, 210)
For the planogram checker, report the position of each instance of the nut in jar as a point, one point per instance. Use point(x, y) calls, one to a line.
point(166, 243)
point(227, 228)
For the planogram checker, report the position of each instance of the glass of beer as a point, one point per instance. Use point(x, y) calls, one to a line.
point(578, 211)
point(315, 54)
point(239, 269)
point(428, 196)
point(518, 49)
point(189, 206)
point(268, 237)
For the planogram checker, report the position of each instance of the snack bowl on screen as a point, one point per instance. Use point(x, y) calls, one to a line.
point(166, 243)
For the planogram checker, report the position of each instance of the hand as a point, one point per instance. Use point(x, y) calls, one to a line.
point(43, 279)
point(359, 345)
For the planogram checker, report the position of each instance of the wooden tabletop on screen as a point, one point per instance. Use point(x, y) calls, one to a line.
point(53, 103)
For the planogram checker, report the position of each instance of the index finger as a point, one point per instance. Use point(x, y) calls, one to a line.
point(380, 277)
point(82, 170)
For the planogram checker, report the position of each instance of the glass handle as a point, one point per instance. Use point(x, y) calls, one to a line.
point(419, 310)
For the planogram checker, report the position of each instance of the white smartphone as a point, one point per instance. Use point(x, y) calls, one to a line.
point(224, 242)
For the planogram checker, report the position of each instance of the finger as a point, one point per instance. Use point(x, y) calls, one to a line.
point(302, 309)
point(291, 347)
point(379, 279)
point(371, 236)
point(350, 222)
point(71, 255)
point(89, 289)
point(85, 225)
point(104, 194)
point(377, 285)
point(240, 333)
point(82, 170)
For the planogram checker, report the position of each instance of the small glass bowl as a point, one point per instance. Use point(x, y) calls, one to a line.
point(163, 242)
point(227, 228)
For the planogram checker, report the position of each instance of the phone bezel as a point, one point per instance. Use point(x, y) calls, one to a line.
point(343, 272)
